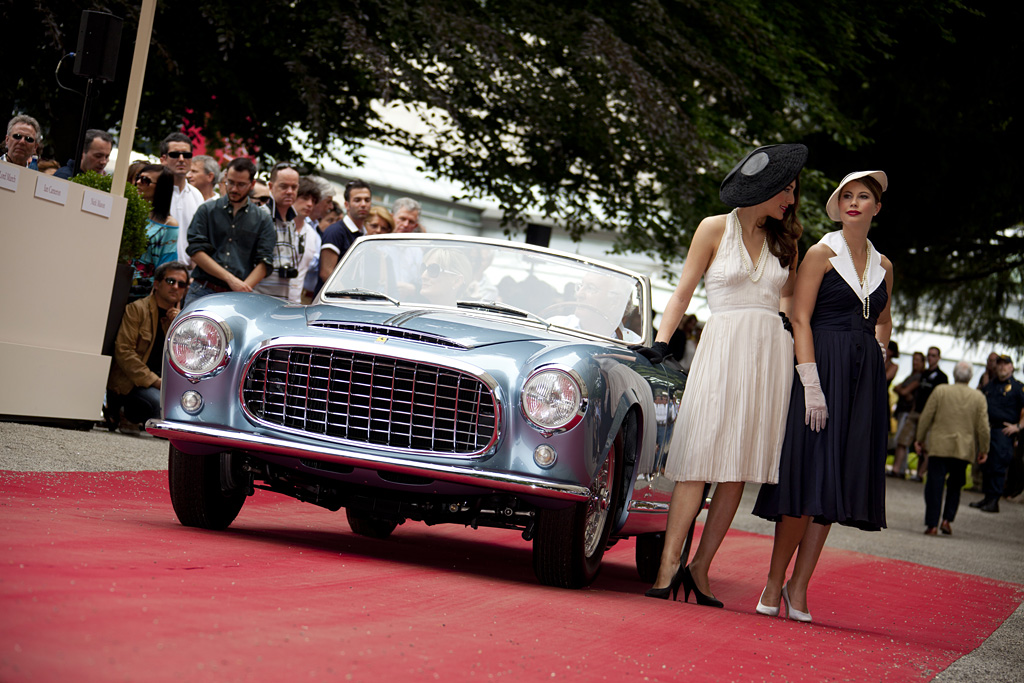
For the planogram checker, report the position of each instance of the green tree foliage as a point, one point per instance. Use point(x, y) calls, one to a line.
point(620, 116)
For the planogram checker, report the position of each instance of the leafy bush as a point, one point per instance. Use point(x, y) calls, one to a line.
point(133, 234)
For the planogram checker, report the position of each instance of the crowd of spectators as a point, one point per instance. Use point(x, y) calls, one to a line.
point(213, 229)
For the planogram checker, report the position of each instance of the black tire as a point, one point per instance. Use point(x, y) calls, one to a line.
point(197, 495)
point(648, 555)
point(367, 524)
point(564, 554)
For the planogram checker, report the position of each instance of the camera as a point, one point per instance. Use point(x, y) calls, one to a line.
point(287, 272)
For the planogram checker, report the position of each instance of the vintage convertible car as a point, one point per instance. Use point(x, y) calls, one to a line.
point(438, 379)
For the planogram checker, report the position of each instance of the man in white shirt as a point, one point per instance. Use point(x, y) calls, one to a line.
point(176, 155)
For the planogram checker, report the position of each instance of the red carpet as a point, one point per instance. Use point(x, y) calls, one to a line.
point(98, 581)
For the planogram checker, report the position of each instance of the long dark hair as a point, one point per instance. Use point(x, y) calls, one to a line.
point(162, 193)
point(783, 235)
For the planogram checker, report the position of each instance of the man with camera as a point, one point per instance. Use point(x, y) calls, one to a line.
point(298, 242)
point(231, 239)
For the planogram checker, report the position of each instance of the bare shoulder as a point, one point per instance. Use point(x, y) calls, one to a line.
point(712, 228)
point(818, 254)
point(886, 263)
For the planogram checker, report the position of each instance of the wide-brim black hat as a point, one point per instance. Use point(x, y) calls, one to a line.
point(762, 174)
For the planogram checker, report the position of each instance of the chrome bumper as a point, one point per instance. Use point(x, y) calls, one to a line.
point(233, 439)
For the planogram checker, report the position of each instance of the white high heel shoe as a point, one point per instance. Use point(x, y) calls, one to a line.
point(765, 609)
point(792, 612)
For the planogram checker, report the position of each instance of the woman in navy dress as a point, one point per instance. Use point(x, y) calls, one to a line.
point(832, 468)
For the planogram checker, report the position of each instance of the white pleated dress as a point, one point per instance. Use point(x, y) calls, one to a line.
point(732, 418)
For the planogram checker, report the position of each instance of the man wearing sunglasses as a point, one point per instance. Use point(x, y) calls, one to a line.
point(133, 385)
point(95, 154)
point(22, 141)
point(176, 156)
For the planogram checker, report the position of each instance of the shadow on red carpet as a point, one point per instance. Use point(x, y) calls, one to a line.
point(100, 582)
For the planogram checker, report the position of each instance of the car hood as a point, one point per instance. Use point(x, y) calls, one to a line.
point(463, 328)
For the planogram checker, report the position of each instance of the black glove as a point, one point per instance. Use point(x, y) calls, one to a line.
point(786, 325)
point(656, 353)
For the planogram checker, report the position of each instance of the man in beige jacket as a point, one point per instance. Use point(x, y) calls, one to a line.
point(954, 428)
point(134, 381)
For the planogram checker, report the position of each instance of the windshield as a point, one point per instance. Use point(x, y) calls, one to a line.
point(444, 272)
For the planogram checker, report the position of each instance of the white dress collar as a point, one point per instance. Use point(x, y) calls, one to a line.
point(844, 265)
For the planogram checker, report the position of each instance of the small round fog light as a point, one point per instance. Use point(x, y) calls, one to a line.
point(192, 402)
point(544, 455)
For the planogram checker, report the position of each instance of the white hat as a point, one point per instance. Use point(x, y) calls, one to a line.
point(832, 205)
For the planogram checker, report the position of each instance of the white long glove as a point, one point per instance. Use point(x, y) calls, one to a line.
point(815, 410)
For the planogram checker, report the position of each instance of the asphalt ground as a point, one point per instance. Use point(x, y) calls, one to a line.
point(982, 544)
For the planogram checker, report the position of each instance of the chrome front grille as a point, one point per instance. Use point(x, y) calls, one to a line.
point(369, 399)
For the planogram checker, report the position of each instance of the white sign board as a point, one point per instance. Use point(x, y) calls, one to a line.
point(9, 174)
point(52, 189)
point(99, 203)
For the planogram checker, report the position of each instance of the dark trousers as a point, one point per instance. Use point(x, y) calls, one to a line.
point(140, 404)
point(197, 290)
point(1000, 453)
point(938, 468)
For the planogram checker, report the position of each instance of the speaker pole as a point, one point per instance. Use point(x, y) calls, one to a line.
point(86, 113)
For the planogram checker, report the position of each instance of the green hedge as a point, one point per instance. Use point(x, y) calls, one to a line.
point(133, 234)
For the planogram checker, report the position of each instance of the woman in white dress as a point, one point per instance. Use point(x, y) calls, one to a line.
point(733, 412)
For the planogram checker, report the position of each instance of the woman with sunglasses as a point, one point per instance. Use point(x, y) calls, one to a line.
point(156, 185)
point(732, 415)
point(832, 467)
point(446, 276)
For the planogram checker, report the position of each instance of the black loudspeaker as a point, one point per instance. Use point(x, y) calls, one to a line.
point(99, 39)
point(539, 235)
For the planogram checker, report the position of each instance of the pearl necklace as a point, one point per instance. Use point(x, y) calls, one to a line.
point(864, 276)
point(757, 272)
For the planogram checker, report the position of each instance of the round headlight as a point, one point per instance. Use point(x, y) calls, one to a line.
point(198, 346)
point(551, 399)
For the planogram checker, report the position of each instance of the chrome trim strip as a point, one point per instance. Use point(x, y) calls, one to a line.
point(642, 506)
point(458, 474)
point(374, 349)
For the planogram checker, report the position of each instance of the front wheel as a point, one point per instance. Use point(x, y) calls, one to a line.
point(570, 542)
point(366, 524)
point(201, 489)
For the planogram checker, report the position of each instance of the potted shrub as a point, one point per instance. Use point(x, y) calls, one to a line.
point(133, 244)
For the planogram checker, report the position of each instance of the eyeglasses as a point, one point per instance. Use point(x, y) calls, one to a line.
point(27, 138)
point(143, 180)
point(434, 269)
point(261, 200)
point(181, 284)
point(179, 155)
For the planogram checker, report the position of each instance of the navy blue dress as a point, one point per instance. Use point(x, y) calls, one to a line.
point(837, 475)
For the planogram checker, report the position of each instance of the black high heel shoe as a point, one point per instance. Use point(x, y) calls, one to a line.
point(673, 587)
point(690, 585)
